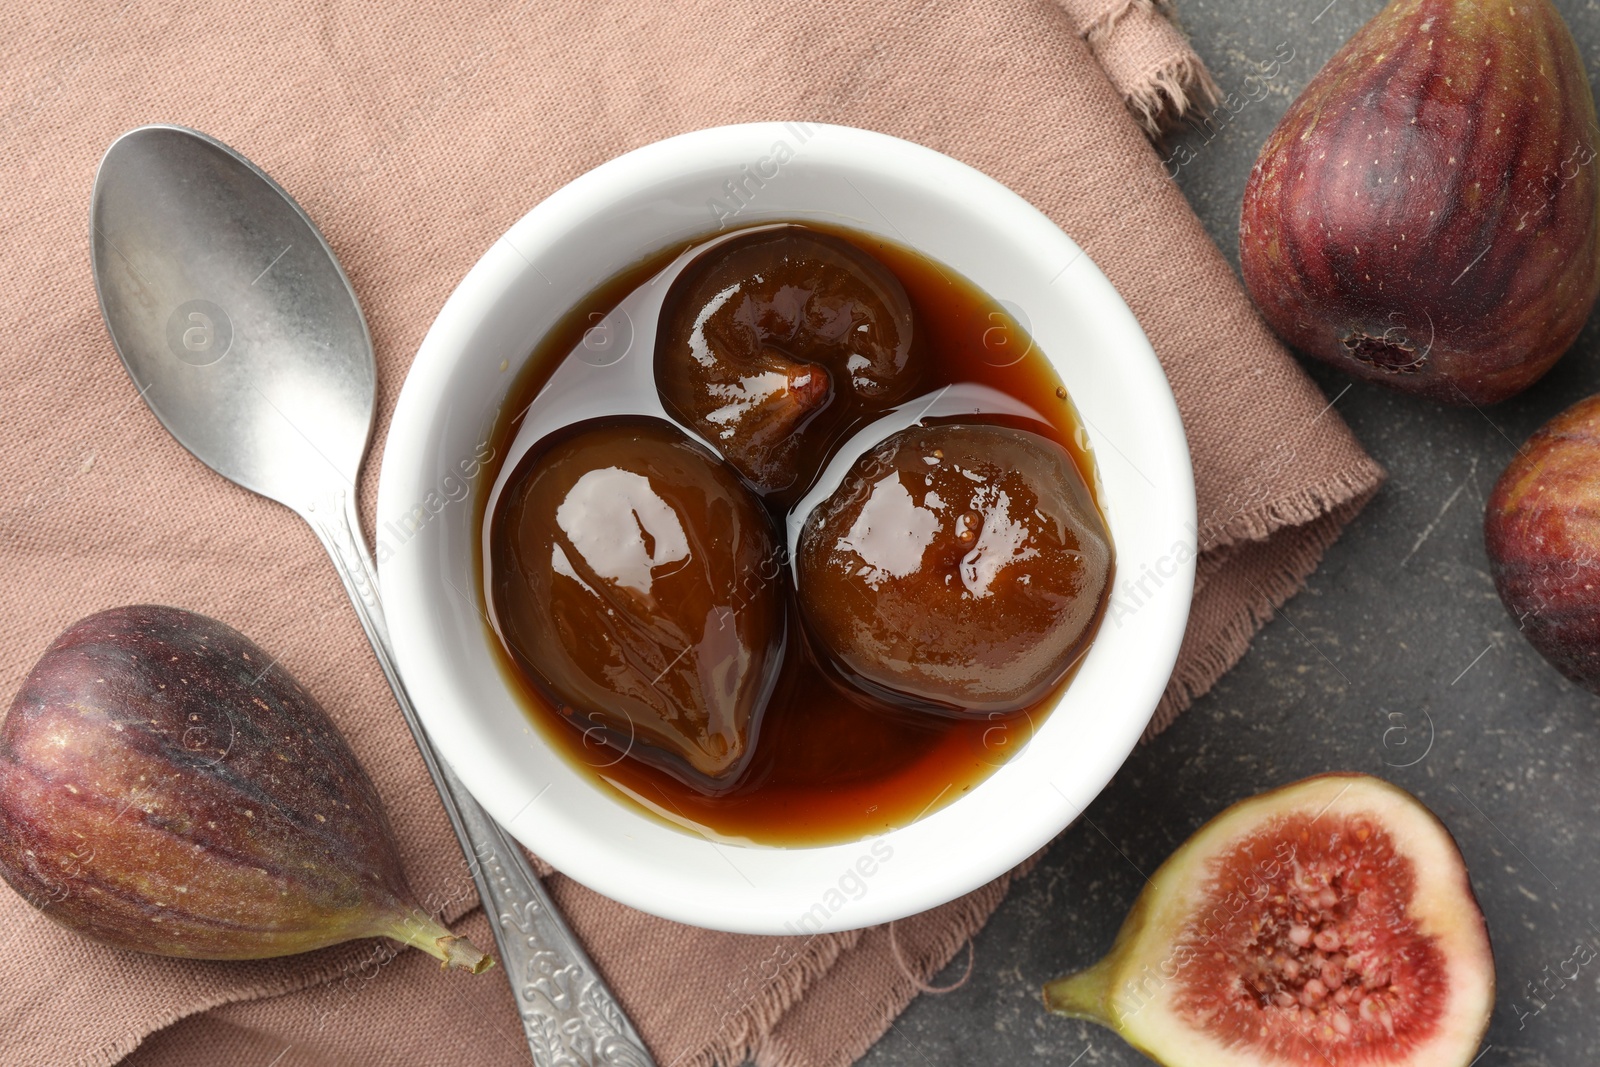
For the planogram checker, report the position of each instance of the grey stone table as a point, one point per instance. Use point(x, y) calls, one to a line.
point(1400, 620)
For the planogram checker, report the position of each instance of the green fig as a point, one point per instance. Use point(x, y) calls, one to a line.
point(1328, 923)
point(166, 787)
point(1424, 215)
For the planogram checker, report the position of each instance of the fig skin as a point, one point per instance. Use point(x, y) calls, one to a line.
point(1541, 528)
point(774, 344)
point(1424, 215)
point(167, 787)
point(1344, 877)
point(960, 568)
point(628, 564)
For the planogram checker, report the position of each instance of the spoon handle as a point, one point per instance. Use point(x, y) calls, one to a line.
point(570, 1017)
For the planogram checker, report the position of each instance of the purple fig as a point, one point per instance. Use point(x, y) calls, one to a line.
point(1542, 531)
point(1424, 215)
point(166, 786)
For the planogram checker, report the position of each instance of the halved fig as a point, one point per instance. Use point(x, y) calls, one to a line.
point(1329, 922)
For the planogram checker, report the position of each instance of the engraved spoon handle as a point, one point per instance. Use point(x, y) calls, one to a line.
point(570, 1017)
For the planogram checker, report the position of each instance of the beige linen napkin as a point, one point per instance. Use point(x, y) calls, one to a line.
point(1146, 58)
point(415, 134)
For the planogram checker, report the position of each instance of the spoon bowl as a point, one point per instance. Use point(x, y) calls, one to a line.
point(232, 315)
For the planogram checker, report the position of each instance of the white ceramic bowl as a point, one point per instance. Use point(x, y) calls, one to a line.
point(663, 194)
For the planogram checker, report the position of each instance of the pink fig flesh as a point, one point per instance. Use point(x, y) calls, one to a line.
point(1328, 922)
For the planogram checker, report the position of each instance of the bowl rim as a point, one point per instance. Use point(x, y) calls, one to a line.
point(633, 876)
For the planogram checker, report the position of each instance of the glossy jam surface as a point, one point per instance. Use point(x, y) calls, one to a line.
point(776, 343)
point(826, 758)
point(960, 567)
point(621, 558)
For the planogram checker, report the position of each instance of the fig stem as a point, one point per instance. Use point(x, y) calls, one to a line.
point(419, 931)
point(1081, 995)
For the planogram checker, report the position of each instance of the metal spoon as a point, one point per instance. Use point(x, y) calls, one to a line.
point(242, 333)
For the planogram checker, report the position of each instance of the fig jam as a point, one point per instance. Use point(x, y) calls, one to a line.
point(830, 761)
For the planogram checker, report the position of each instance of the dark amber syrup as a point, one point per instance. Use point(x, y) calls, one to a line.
point(828, 767)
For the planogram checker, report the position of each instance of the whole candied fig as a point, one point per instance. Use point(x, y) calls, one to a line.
point(960, 567)
point(1424, 216)
point(628, 567)
point(166, 786)
point(772, 344)
point(1329, 923)
point(1542, 532)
